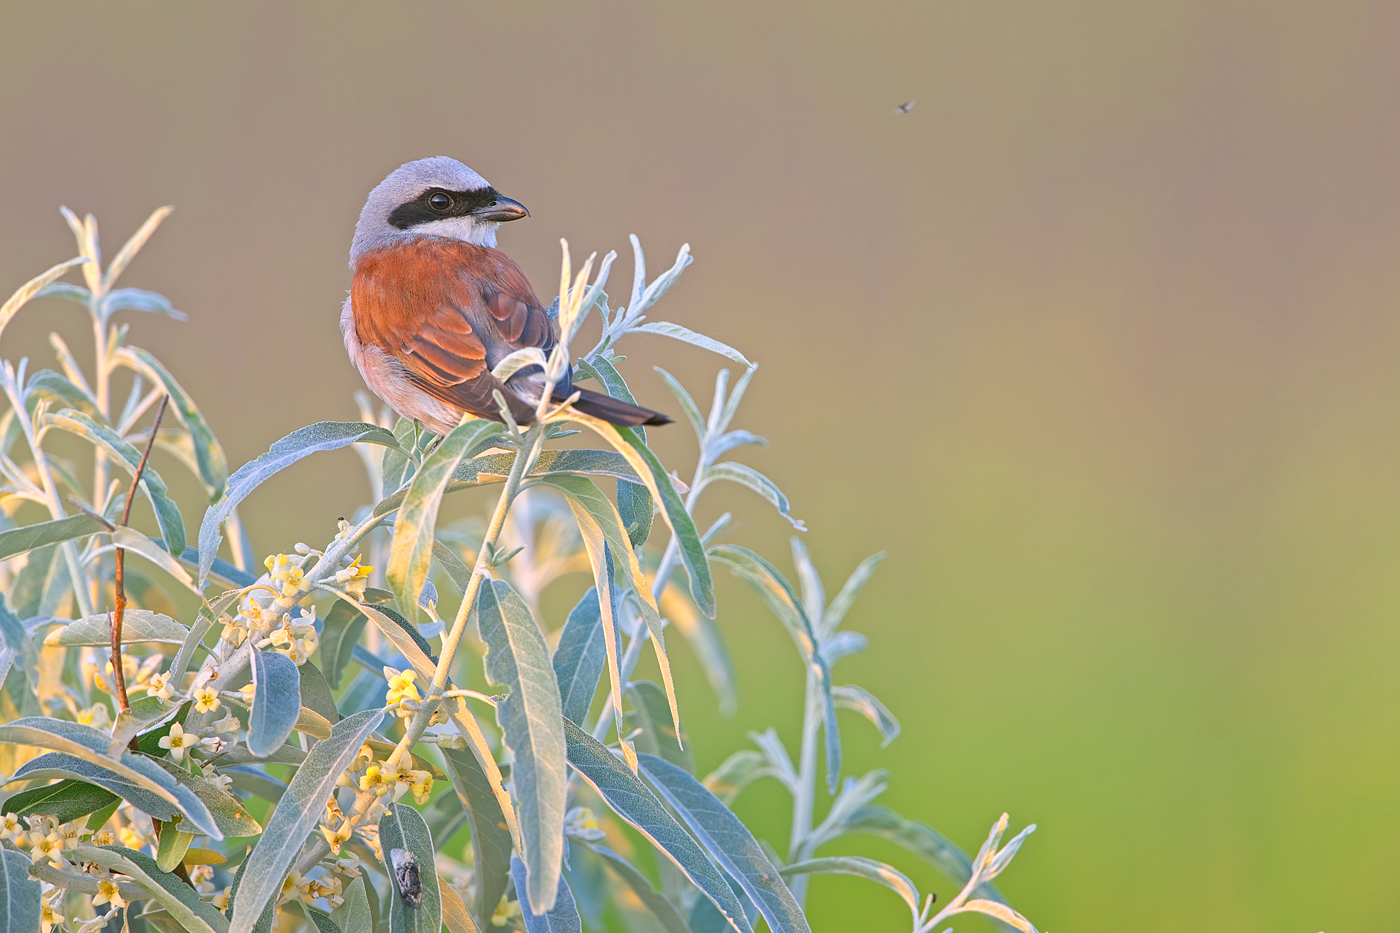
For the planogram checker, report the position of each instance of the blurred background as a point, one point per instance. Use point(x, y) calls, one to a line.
point(1098, 341)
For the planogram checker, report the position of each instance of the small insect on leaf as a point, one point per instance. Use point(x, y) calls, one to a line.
point(406, 876)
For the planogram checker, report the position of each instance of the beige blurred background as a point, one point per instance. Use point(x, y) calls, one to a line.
point(1099, 342)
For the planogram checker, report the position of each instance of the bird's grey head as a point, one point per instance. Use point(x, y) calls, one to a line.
point(437, 197)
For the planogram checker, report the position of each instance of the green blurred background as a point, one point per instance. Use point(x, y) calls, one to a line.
point(1099, 342)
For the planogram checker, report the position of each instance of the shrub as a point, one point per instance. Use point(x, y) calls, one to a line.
point(301, 748)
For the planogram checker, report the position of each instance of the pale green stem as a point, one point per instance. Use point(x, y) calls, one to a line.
point(523, 463)
point(804, 800)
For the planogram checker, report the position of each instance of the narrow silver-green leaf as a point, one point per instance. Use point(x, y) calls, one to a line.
point(303, 442)
point(138, 299)
point(61, 390)
point(228, 811)
point(402, 827)
point(173, 894)
point(687, 403)
point(133, 245)
point(276, 701)
point(837, 609)
point(93, 746)
point(685, 334)
point(580, 656)
point(922, 840)
point(412, 547)
point(353, 916)
point(25, 539)
point(728, 841)
point(868, 868)
point(631, 800)
point(634, 502)
point(491, 842)
point(296, 816)
point(775, 590)
point(663, 910)
point(560, 917)
point(749, 478)
point(172, 524)
point(19, 894)
point(530, 716)
point(138, 625)
point(31, 288)
point(864, 702)
point(213, 467)
point(649, 713)
point(682, 526)
point(71, 767)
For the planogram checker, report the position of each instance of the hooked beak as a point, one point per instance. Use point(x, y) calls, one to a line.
point(501, 210)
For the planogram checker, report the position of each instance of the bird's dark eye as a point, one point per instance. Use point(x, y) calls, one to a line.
point(439, 202)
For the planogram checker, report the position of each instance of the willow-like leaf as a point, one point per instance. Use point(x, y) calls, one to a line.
point(213, 467)
point(340, 632)
point(31, 288)
point(276, 701)
point(138, 626)
point(303, 442)
point(412, 547)
point(634, 502)
point(629, 798)
point(402, 827)
point(531, 719)
point(864, 702)
point(560, 917)
point(868, 868)
point(746, 476)
point(22, 540)
point(839, 606)
point(686, 335)
point(64, 800)
point(296, 816)
point(728, 841)
point(491, 842)
point(20, 895)
point(174, 894)
point(581, 654)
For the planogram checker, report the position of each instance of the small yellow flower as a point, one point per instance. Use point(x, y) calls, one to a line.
point(421, 785)
point(177, 741)
point(235, 632)
point(334, 838)
point(160, 686)
point(46, 847)
point(10, 826)
point(290, 886)
point(104, 838)
point(247, 690)
point(95, 715)
point(108, 893)
point(228, 725)
point(507, 913)
point(130, 838)
point(203, 878)
point(354, 578)
point(49, 917)
point(221, 899)
point(363, 757)
point(401, 686)
point(206, 699)
point(370, 780)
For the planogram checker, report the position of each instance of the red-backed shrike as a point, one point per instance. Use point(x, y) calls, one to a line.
point(434, 306)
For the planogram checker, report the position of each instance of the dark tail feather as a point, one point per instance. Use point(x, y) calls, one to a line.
point(615, 411)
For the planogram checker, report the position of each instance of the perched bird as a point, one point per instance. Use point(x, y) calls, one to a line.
point(905, 107)
point(434, 306)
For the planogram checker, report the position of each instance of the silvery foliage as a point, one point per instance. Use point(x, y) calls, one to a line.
point(362, 691)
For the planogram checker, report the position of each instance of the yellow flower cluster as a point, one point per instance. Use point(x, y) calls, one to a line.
point(297, 639)
point(354, 578)
point(369, 775)
point(283, 570)
point(401, 688)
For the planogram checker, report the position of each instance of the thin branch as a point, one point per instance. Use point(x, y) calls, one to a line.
point(115, 621)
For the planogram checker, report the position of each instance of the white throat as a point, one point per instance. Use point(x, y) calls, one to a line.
point(467, 229)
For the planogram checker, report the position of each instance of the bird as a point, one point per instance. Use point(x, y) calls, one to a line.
point(905, 107)
point(434, 306)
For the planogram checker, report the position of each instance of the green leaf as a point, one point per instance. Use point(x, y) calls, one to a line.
point(751, 479)
point(340, 633)
point(560, 917)
point(922, 840)
point(454, 912)
point(61, 390)
point(402, 827)
point(491, 842)
point(354, 915)
point(662, 909)
point(316, 694)
point(71, 768)
point(276, 701)
point(412, 547)
point(597, 518)
point(651, 714)
point(25, 539)
point(16, 639)
point(775, 590)
point(682, 526)
point(631, 800)
point(20, 895)
point(677, 332)
point(687, 403)
point(138, 299)
point(879, 872)
point(229, 814)
point(581, 655)
point(518, 659)
point(459, 573)
point(92, 746)
point(213, 468)
point(138, 626)
point(296, 816)
point(321, 921)
point(172, 846)
point(837, 609)
point(65, 801)
point(31, 288)
point(864, 702)
point(634, 502)
point(173, 894)
point(266, 918)
point(728, 841)
point(324, 435)
point(172, 524)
